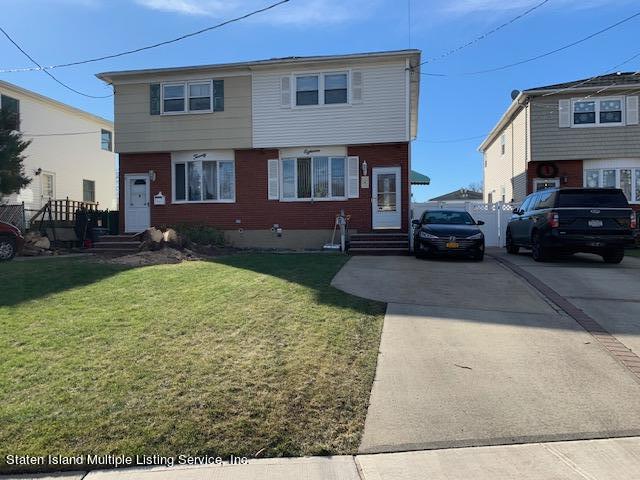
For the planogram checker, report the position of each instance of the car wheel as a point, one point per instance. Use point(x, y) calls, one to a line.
point(7, 249)
point(538, 252)
point(511, 248)
point(417, 250)
point(613, 256)
point(478, 257)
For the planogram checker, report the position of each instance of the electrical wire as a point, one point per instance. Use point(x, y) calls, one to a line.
point(456, 140)
point(486, 34)
point(24, 134)
point(149, 47)
point(49, 73)
point(543, 55)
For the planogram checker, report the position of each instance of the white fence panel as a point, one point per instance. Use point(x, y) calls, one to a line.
point(494, 215)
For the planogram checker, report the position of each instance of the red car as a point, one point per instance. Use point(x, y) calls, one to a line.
point(11, 241)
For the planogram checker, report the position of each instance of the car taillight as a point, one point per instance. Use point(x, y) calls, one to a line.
point(634, 220)
point(554, 219)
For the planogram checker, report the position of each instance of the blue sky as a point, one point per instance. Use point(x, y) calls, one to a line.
point(451, 107)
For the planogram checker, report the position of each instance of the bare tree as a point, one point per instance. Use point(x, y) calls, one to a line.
point(475, 187)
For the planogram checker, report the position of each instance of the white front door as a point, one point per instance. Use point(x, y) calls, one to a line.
point(387, 198)
point(136, 203)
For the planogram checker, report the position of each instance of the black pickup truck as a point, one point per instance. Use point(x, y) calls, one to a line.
point(571, 220)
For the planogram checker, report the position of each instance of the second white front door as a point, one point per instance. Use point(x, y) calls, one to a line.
point(386, 198)
point(136, 203)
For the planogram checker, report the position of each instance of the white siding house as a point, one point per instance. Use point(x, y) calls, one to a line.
point(71, 152)
point(376, 110)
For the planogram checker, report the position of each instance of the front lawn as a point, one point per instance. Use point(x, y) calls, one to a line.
point(633, 252)
point(232, 356)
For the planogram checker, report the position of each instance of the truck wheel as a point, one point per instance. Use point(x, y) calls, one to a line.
point(511, 248)
point(613, 256)
point(7, 249)
point(538, 252)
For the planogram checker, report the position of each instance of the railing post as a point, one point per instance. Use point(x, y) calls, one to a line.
point(67, 210)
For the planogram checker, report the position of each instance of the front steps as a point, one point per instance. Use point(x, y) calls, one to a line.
point(379, 244)
point(116, 245)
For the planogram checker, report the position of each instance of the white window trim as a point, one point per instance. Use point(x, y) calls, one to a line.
point(94, 190)
point(635, 171)
point(185, 85)
point(53, 183)
point(503, 144)
point(295, 180)
point(186, 177)
point(555, 180)
point(598, 100)
point(320, 75)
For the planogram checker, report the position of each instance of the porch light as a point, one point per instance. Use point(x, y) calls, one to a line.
point(152, 175)
point(364, 168)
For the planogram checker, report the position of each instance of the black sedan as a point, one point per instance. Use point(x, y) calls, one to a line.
point(448, 232)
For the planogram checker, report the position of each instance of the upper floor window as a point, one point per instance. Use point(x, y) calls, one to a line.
point(599, 111)
point(503, 144)
point(106, 142)
point(11, 107)
point(200, 96)
point(322, 89)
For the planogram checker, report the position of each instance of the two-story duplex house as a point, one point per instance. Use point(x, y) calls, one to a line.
point(575, 134)
point(71, 152)
point(269, 151)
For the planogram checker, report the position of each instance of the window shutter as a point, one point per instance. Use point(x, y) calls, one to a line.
point(632, 110)
point(285, 92)
point(356, 87)
point(354, 176)
point(274, 181)
point(154, 99)
point(218, 95)
point(564, 111)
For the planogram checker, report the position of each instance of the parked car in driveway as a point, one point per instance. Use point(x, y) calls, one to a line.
point(11, 241)
point(448, 232)
point(571, 220)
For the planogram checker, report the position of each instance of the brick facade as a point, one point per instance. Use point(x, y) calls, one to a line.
point(252, 208)
point(569, 172)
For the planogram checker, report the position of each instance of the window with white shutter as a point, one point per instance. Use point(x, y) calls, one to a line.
point(274, 183)
point(285, 92)
point(354, 177)
point(564, 111)
point(356, 86)
point(632, 110)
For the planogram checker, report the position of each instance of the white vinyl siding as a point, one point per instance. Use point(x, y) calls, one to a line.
point(380, 116)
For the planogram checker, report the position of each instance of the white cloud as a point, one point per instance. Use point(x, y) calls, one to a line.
point(293, 13)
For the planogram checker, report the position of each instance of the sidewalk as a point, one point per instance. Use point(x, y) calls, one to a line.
point(608, 459)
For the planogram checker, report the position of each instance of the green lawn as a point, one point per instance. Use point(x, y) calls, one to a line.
point(222, 357)
point(633, 253)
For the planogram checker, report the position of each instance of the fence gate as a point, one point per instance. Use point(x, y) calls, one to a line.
point(494, 215)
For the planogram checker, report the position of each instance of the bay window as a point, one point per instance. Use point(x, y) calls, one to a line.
point(204, 181)
point(626, 179)
point(314, 178)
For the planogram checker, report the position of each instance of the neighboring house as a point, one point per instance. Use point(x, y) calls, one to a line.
point(461, 195)
point(269, 151)
point(71, 152)
point(582, 133)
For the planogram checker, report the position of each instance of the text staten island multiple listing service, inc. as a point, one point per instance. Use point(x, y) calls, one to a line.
point(122, 460)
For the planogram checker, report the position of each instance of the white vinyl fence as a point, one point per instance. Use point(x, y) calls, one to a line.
point(494, 215)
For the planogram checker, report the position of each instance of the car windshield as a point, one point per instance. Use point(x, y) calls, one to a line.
point(593, 198)
point(448, 218)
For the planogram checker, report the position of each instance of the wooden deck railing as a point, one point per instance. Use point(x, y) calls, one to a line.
point(62, 210)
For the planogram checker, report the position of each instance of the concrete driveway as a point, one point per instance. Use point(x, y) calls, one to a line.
point(472, 355)
point(608, 293)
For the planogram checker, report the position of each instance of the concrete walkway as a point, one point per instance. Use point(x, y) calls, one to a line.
point(472, 355)
point(612, 459)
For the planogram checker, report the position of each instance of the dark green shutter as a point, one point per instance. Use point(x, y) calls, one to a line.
point(154, 99)
point(218, 95)
point(11, 107)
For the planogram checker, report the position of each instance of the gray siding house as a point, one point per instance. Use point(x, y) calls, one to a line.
point(575, 134)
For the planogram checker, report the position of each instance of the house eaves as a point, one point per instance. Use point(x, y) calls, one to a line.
point(55, 103)
point(514, 108)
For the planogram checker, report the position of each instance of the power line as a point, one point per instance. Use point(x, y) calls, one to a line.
point(486, 34)
point(546, 54)
point(58, 134)
point(457, 140)
point(149, 47)
point(49, 73)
